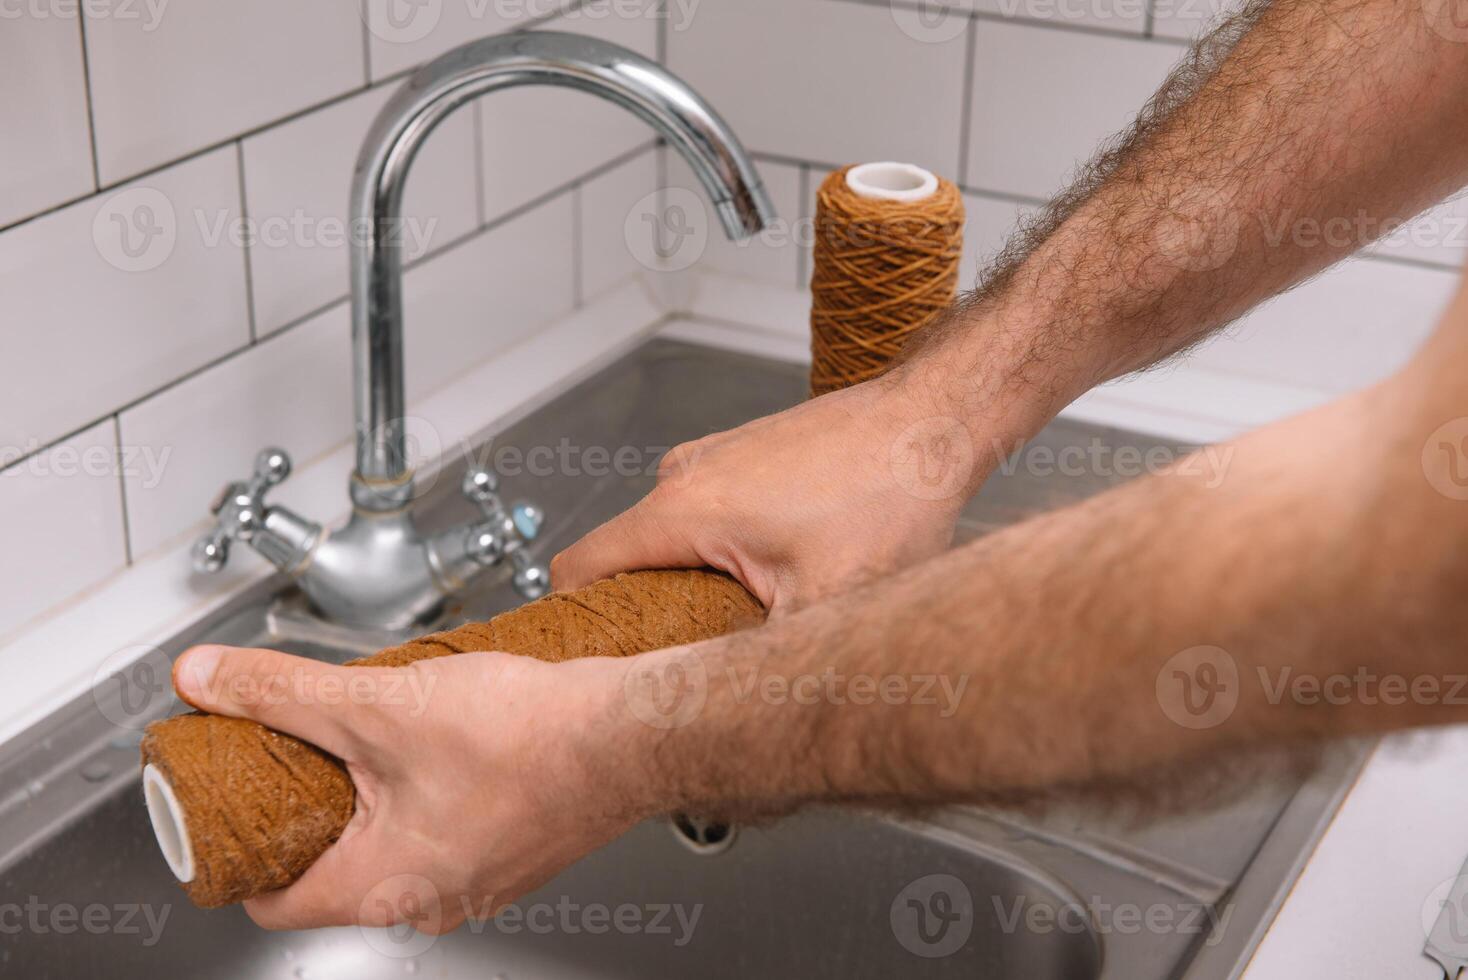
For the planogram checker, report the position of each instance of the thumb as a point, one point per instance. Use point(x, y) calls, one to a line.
point(305, 698)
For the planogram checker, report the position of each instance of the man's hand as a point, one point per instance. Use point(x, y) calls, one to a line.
point(475, 782)
point(1293, 115)
point(802, 504)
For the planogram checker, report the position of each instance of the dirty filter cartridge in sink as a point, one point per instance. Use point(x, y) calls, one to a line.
point(240, 810)
point(888, 244)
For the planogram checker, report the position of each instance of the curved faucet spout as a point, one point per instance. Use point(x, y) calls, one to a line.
point(382, 481)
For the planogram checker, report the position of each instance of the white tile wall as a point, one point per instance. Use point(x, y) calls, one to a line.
point(988, 224)
point(296, 181)
point(1346, 328)
point(774, 254)
point(46, 155)
point(291, 391)
point(538, 139)
point(611, 205)
point(188, 73)
point(1038, 110)
point(61, 523)
point(826, 81)
point(480, 297)
point(99, 326)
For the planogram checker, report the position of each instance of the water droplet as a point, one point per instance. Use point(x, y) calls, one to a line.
point(35, 787)
point(411, 966)
point(96, 771)
point(301, 973)
point(287, 954)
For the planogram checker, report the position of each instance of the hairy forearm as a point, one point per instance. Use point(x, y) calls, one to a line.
point(1047, 655)
point(1292, 136)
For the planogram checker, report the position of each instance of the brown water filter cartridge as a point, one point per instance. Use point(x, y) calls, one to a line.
point(888, 243)
point(240, 810)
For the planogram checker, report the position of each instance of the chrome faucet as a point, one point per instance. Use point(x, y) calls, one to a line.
point(379, 570)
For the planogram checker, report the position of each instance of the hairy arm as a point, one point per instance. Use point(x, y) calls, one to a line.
point(1290, 137)
point(1317, 590)
point(1296, 133)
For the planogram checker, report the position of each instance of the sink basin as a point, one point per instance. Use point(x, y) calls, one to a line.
point(809, 897)
point(961, 893)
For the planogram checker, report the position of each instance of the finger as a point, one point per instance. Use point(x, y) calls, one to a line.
point(335, 891)
point(637, 538)
point(304, 698)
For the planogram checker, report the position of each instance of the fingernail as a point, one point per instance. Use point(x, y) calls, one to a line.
point(195, 673)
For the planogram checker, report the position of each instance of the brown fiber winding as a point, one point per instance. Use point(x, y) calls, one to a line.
point(261, 806)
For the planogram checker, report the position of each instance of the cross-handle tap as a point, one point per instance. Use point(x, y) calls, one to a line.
point(504, 533)
point(241, 514)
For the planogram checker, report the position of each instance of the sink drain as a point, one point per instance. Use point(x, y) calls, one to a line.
point(701, 835)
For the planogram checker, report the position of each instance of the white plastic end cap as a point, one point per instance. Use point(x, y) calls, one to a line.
point(168, 824)
point(889, 181)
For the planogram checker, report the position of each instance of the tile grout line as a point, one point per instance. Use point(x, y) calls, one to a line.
point(662, 33)
point(965, 121)
point(578, 272)
point(127, 533)
point(247, 247)
point(481, 191)
point(364, 14)
point(81, 20)
point(803, 255)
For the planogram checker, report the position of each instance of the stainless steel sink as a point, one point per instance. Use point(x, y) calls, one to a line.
point(964, 893)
